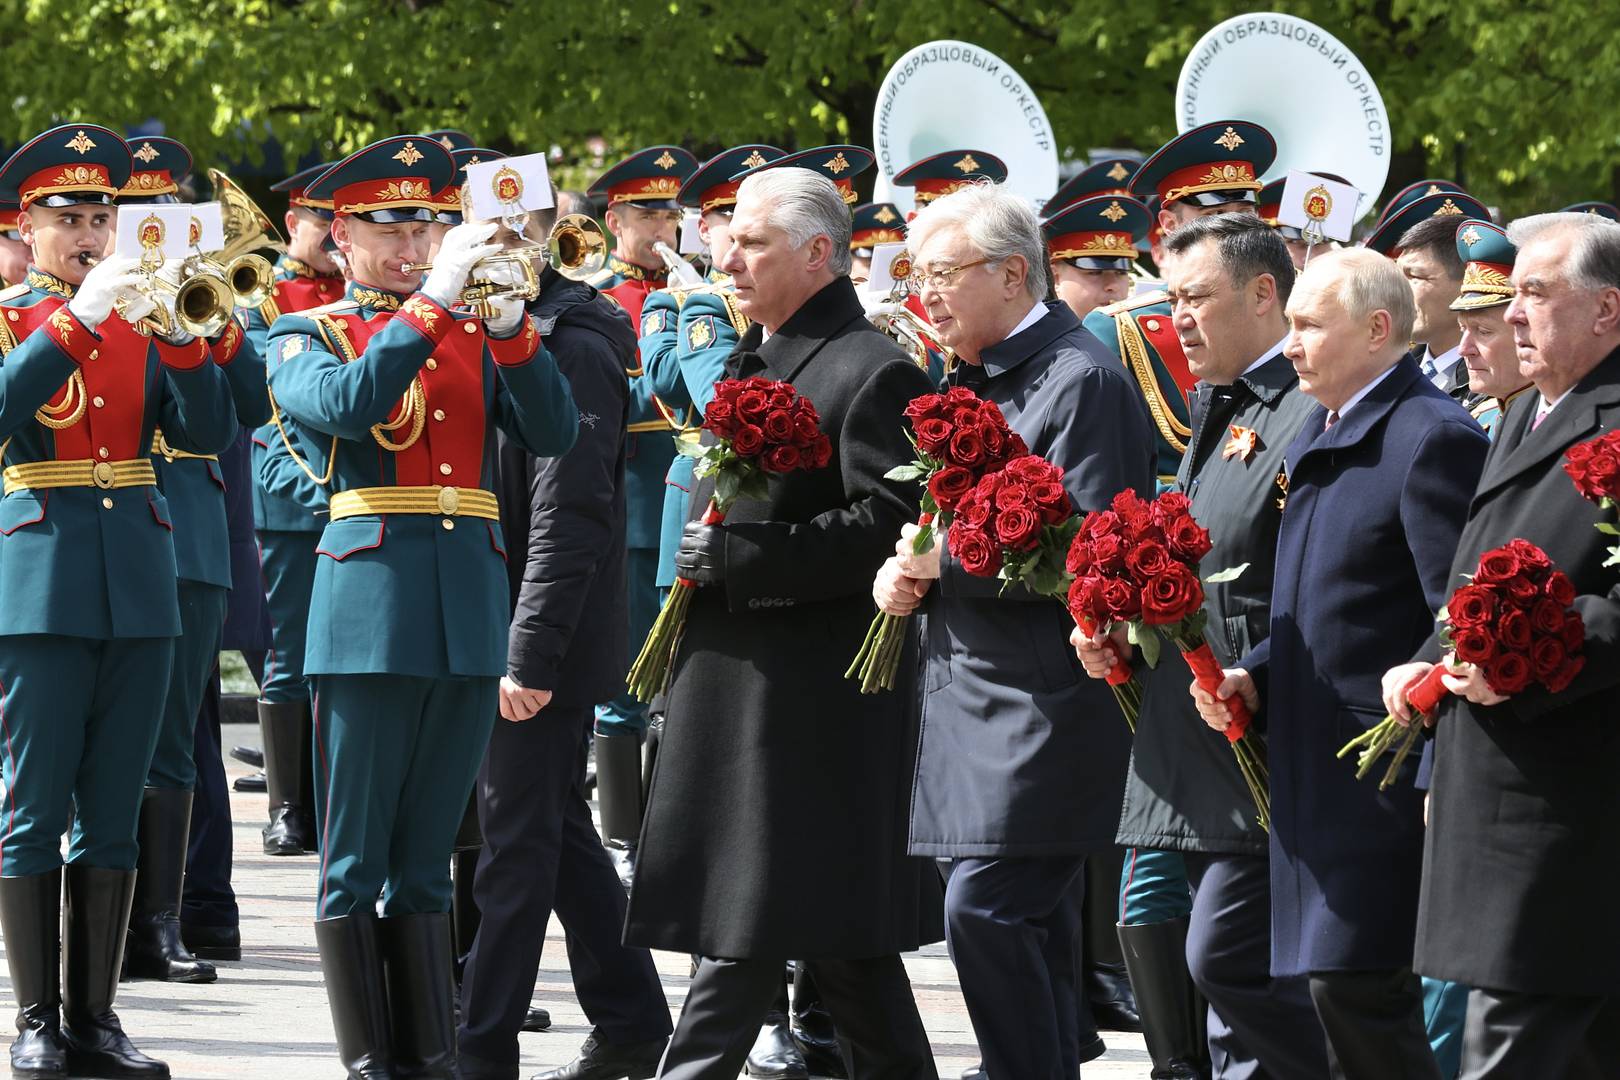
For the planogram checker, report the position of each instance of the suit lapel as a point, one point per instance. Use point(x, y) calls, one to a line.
point(1352, 429)
point(1574, 419)
point(824, 316)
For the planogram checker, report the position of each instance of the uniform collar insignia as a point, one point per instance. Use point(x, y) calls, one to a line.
point(374, 299)
point(299, 268)
point(48, 283)
point(629, 269)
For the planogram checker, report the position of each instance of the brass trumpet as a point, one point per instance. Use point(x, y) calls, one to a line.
point(190, 294)
point(576, 248)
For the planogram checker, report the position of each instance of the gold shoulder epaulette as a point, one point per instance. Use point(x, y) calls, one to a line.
point(1131, 303)
point(11, 292)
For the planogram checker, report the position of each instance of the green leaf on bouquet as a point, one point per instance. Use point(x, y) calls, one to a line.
point(1442, 615)
point(1608, 530)
point(1614, 557)
point(905, 472)
point(687, 445)
point(1147, 639)
point(923, 540)
point(726, 486)
point(1231, 573)
point(754, 485)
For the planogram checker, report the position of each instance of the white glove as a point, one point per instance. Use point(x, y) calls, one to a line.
point(108, 280)
point(879, 304)
point(509, 313)
point(464, 246)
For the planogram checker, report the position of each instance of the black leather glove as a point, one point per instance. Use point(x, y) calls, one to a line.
point(701, 558)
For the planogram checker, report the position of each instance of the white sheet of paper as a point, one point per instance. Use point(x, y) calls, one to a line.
point(508, 186)
point(883, 256)
point(1340, 200)
point(691, 242)
point(167, 225)
point(210, 221)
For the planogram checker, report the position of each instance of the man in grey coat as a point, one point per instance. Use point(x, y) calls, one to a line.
point(1021, 758)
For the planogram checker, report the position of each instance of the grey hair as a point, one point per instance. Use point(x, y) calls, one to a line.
point(1247, 247)
point(1368, 282)
point(804, 204)
point(996, 222)
point(1593, 259)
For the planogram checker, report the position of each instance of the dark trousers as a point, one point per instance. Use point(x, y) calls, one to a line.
point(1259, 1026)
point(541, 853)
point(1511, 1035)
point(209, 899)
point(879, 1031)
point(1374, 1025)
point(1012, 927)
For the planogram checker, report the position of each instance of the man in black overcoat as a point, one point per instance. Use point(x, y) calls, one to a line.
point(1229, 278)
point(1523, 821)
point(776, 822)
point(564, 526)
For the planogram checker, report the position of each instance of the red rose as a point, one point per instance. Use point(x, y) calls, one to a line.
point(1171, 596)
point(1086, 600)
point(994, 438)
point(1109, 552)
point(751, 405)
point(1508, 674)
point(1471, 606)
point(719, 418)
point(1566, 674)
point(1015, 445)
point(1052, 501)
point(974, 512)
point(1147, 560)
point(1559, 589)
point(1547, 657)
point(727, 391)
point(1122, 601)
point(961, 395)
point(949, 486)
point(966, 448)
point(802, 407)
point(1601, 472)
point(1126, 500)
point(1546, 617)
point(973, 549)
point(921, 408)
point(933, 436)
point(1080, 559)
point(1532, 557)
point(1011, 495)
point(964, 418)
point(820, 452)
point(1139, 522)
point(1497, 567)
point(748, 440)
point(1171, 505)
point(1019, 528)
point(805, 430)
point(778, 425)
point(1574, 632)
point(1513, 628)
point(781, 459)
point(1473, 645)
point(1188, 539)
point(1522, 589)
point(1100, 523)
point(781, 398)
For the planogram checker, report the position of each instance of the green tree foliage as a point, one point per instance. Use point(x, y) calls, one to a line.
point(1514, 97)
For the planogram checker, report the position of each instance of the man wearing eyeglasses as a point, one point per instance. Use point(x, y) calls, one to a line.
point(1012, 782)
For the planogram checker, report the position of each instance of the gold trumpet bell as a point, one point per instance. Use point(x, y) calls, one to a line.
point(577, 247)
point(252, 279)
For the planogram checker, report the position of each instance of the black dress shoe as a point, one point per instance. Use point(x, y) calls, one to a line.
point(599, 1060)
point(252, 784)
point(536, 1019)
point(212, 942)
point(775, 1055)
point(251, 756)
point(291, 832)
point(1113, 1002)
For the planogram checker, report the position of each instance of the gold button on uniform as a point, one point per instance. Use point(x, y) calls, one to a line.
point(1153, 326)
point(104, 452)
point(432, 364)
point(99, 401)
point(438, 414)
point(469, 328)
point(445, 468)
point(12, 315)
point(449, 525)
point(106, 504)
point(95, 354)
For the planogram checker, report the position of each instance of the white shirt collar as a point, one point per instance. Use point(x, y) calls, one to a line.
point(1548, 406)
point(1036, 314)
point(1355, 399)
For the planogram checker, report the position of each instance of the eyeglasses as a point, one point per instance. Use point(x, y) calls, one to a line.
point(941, 279)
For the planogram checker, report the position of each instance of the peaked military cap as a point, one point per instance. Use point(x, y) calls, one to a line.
point(941, 174)
point(1488, 258)
point(840, 163)
point(876, 223)
point(649, 178)
point(160, 166)
point(70, 164)
point(1413, 192)
point(1601, 209)
point(1103, 232)
point(394, 179)
point(450, 211)
point(1386, 235)
point(1111, 176)
point(296, 188)
point(1211, 165)
point(712, 186)
point(452, 140)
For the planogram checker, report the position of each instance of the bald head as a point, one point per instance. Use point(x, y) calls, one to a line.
point(1350, 317)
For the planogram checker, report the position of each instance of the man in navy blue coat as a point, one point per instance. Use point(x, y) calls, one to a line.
point(1379, 480)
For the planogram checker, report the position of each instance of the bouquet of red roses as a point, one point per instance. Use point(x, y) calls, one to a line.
point(958, 437)
point(1514, 621)
point(762, 429)
point(1595, 468)
point(1137, 563)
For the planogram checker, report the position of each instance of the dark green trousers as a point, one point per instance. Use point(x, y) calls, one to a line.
point(78, 724)
point(196, 652)
point(395, 761)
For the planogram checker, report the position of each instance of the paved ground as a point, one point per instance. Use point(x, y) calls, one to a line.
point(266, 1017)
